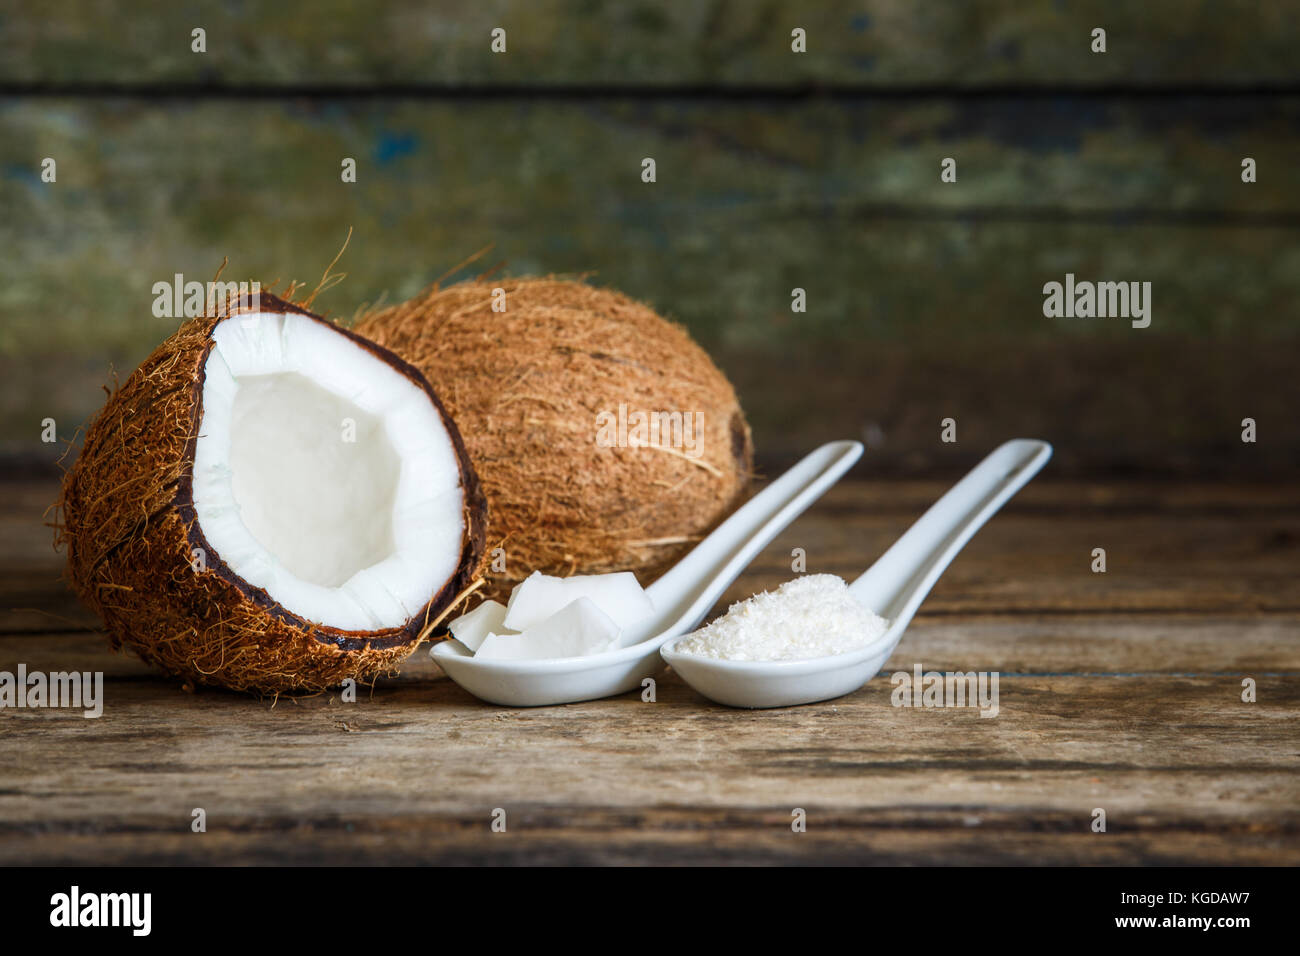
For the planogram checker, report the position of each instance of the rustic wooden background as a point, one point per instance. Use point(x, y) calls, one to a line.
point(1119, 690)
point(775, 170)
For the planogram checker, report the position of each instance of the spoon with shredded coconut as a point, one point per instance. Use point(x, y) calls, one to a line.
point(811, 616)
point(817, 637)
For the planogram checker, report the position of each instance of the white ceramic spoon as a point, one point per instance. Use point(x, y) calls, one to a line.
point(893, 587)
point(682, 597)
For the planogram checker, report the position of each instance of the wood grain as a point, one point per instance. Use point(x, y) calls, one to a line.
point(1172, 548)
point(884, 43)
point(924, 299)
point(1120, 691)
point(1175, 761)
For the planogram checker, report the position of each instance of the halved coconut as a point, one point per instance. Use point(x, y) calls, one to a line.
point(272, 503)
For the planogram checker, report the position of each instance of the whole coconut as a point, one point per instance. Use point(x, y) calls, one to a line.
point(545, 379)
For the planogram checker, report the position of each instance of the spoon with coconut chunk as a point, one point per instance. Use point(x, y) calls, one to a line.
point(562, 640)
point(815, 638)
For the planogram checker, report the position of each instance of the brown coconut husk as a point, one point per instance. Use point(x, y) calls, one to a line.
point(129, 527)
point(525, 387)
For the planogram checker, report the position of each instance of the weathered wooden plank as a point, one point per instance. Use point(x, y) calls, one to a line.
point(924, 299)
point(1167, 552)
point(1199, 644)
point(559, 836)
point(1180, 764)
point(882, 43)
point(1133, 706)
point(749, 198)
point(1184, 426)
point(1168, 407)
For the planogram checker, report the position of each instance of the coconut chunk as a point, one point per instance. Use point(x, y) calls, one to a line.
point(472, 629)
point(539, 596)
point(577, 629)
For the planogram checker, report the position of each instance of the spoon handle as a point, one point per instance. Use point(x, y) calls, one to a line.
point(696, 582)
point(899, 581)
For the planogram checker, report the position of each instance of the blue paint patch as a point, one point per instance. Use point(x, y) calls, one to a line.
point(865, 62)
point(393, 146)
point(860, 23)
point(1054, 125)
point(27, 175)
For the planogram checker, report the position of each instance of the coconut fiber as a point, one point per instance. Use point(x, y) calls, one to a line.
point(527, 383)
point(132, 539)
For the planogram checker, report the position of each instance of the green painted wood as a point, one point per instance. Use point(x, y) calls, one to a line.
point(924, 299)
point(879, 42)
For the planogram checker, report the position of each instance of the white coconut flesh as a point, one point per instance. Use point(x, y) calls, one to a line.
point(323, 475)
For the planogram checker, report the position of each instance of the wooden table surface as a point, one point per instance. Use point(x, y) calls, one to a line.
point(1119, 691)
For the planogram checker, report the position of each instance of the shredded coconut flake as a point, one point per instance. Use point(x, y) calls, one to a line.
point(811, 616)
